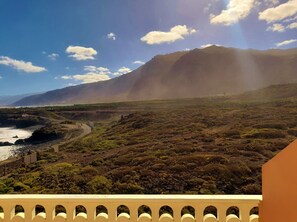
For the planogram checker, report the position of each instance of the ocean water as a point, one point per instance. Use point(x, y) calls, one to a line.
point(6, 135)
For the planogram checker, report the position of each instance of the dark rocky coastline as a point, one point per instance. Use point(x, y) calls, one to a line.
point(41, 135)
point(6, 144)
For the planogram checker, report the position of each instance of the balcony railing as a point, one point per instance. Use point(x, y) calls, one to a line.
point(125, 208)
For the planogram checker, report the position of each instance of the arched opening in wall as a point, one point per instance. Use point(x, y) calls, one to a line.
point(101, 213)
point(233, 210)
point(211, 210)
point(144, 209)
point(255, 211)
point(166, 210)
point(60, 210)
point(18, 209)
point(101, 209)
point(80, 209)
point(188, 210)
point(1, 213)
point(254, 214)
point(122, 209)
point(39, 210)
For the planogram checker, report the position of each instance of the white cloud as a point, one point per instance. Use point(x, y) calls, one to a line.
point(53, 56)
point(279, 12)
point(91, 77)
point(66, 77)
point(208, 45)
point(192, 31)
point(176, 33)
point(81, 53)
point(20, 65)
point(122, 71)
point(112, 36)
point(292, 25)
point(286, 42)
point(71, 84)
point(236, 11)
point(93, 74)
point(97, 69)
point(1, 77)
point(271, 3)
point(276, 28)
point(138, 62)
point(291, 19)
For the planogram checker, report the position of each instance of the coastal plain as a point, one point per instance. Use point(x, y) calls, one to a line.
point(213, 145)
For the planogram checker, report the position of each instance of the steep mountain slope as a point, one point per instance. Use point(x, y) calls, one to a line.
point(199, 72)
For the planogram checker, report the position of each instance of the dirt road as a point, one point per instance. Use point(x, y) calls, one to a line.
point(86, 130)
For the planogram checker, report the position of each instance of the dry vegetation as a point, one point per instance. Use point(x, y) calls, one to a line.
point(201, 146)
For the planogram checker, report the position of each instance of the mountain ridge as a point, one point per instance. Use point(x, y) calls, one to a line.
point(195, 73)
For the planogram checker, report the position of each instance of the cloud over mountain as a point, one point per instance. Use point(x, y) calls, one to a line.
point(176, 33)
point(93, 74)
point(122, 71)
point(208, 45)
point(91, 77)
point(286, 42)
point(138, 62)
point(96, 74)
point(236, 11)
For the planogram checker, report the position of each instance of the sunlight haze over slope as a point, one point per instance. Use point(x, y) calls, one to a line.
point(46, 45)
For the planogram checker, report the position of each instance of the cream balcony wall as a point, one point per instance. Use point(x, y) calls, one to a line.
point(22, 208)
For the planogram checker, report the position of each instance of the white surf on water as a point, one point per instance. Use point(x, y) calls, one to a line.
point(7, 134)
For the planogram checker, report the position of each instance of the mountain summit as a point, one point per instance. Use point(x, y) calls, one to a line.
point(200, 72)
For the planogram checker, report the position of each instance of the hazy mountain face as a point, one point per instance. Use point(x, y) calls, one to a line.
point(200, 72)
point(8, 100)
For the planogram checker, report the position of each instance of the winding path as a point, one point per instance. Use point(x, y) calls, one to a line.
point(86, 130)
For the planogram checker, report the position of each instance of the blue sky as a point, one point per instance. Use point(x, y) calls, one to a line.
point(50, 44)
